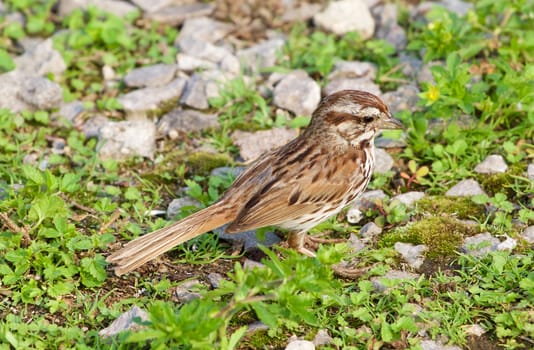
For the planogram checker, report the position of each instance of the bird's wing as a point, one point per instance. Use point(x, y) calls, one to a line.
point(317, 184)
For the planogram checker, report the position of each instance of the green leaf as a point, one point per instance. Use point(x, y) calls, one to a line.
point(33, 174)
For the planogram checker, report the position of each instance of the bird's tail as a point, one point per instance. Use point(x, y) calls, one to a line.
point(149, 246)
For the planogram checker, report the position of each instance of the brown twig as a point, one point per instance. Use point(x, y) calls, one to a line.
point(78, 205)
point(116, 214)
point(11, 225)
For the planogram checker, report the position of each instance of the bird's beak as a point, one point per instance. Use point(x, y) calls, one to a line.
point(391, 123)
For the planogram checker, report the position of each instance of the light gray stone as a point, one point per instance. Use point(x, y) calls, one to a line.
point(136, 103)
point(91, 127)
point(474, 329)
point(254, 144)
point(388, 27)
point(251, 264)
point(322, 337)
point(383, 161)
point(204, 29)
point(152, 76)
point(508, 244)
point(188, 63)
point(298, 93)
point(491, 165)
point(457, 6)
point(70, 110)
point(10, 86)
point(353, 84)
point(370, 230)
point(528, 234)
point(121, 140)
point(175, 206)
point(195, 93)
point(262, 55)
point(353, 69)
point(530, 171)
point(302, 13)
point(480, 244)
point(176, 15)
point(118, 8)
point(395, 275)
point(40, 60)
point(465, 188)
point(354, 215)
point(186, 120)
point(405, 97)
point(215, 279)
point(125, 322)
point(341, 17)
point(154, 5)
point(203, 50)
point(41, 93)
point(434, 345)
point(300, 345)
point(187, 291)
point(355, 243)
point(411, 66)
point(408, 198)
point(412, 254)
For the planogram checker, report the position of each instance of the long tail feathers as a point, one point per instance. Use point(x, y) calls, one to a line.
point(149, 246)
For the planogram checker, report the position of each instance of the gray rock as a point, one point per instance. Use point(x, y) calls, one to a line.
point(404, 98)
point(353, 69)
point(202, 50)
point(91, 127)
point(186, 291)
point(41, 93)
point(322, 337)
point(397, 275)
point(354, 215)
point(368, 199)
point(204, 29)
point(457, 6)
point(187, 63)
point(341, 17)
point(300, 345)
point(125, 322)
point(118, 8)
point(508, 244)
point(228, 171)
point(383, 161)
point(195, 93)
point(425, 74)
point(230, 63)
point(386, 142)
point(474, 329)
point(70, 110)
point(186, 120)
point(253, 144)
point(176, 205)
point(480, 244)
point(355, 243)
point(249, 239)
point(298, 93)
point(41, 59)
point(412, 254)
point(262, 55)
point(370, 230)
point(411, 66)
point(121, 140)
point(10, 86)
point(491, 165)
point(434, 345)
point(153, 5)
point(408, 198)
point(388, 27)
point(302, 13)
point(251, 264)
point(215, 279)
point(530, 171)
point(465, 188)
point(136, 103)
point(176, 15)
point(108, 73)
point(528, 234)
point(156, 75)
point(257, 326)
point(351, 83)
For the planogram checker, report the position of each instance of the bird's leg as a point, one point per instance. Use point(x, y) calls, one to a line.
point(296, 241)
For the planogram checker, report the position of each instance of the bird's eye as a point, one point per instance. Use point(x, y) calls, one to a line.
point(368, 119)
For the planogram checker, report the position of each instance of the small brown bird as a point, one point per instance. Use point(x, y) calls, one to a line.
point(294, 187)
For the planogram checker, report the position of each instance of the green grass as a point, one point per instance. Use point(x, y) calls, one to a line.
point(58, 224)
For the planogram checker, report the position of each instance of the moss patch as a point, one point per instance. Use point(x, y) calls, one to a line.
point(441, 234)
point(461, 207)
point(204, 162)
point(501, 182)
